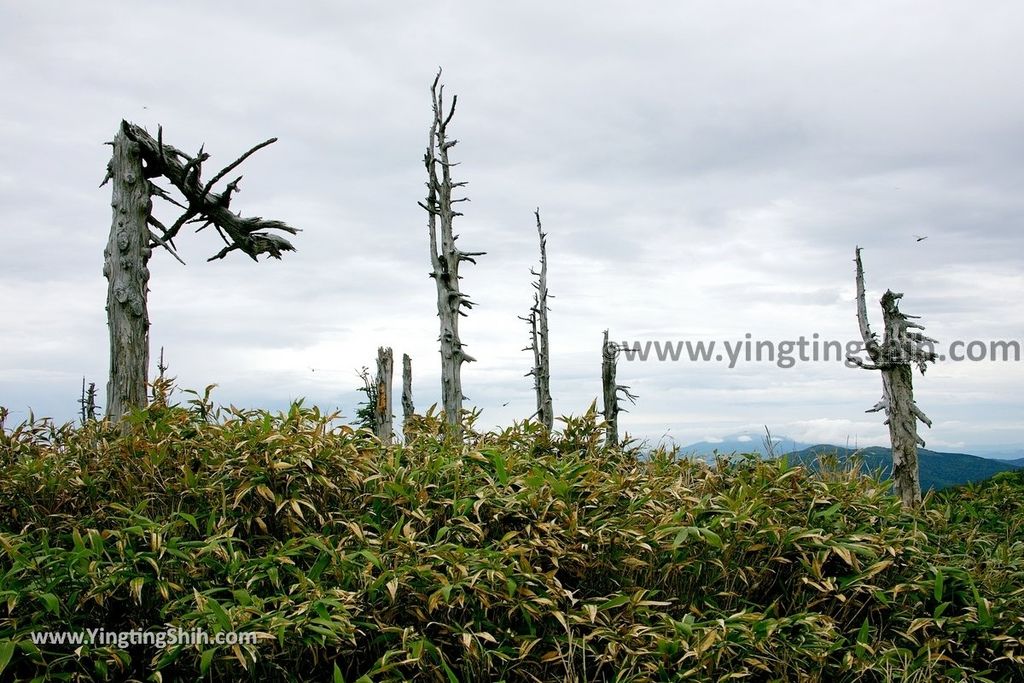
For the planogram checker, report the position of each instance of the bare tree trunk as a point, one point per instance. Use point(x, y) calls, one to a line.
point(407, 405)
point(445, 257)
point(88, 401)
point(382, 409)
point(539, 333)
point(609, 357)
point(611, 391)
point(124, 266)
point(899, 349)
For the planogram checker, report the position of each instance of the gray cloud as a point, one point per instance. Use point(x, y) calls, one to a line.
point(703, 171)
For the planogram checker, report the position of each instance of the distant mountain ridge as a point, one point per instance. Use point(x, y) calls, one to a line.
point(938, 470)
point(741, 443)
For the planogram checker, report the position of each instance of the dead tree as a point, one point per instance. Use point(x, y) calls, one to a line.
point(407, 406)
point(611, 391)
point(899, 349)
point(445, 257)
point(538, 323)
point(88, 401)
point(382, 405)
point(137, 161)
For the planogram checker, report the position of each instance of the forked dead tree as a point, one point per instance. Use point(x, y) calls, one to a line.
point(538, 323)
point(407, 406)
point(383, 426)
point(137, 161)
point(900, 348)
point(445, 257)
point(611, 391)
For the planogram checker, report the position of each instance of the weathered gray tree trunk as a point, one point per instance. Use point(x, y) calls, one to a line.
point(125, 267)
point(538, 322)
point(407, 406)
point(445, 257)
point(899, 349)
point(382, 409)
point(611, 391)
point(88, 401)
point(137, 158)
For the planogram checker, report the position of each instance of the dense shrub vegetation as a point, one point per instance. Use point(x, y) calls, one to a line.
point(514, 556)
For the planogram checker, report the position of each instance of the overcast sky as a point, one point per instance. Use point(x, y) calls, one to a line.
point(704, 170)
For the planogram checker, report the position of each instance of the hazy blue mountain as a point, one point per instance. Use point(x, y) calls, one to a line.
point(938, 470)
point(741, 443)
point(1000, 452)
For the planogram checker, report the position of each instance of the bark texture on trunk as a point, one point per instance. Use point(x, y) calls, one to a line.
point(382, 408)
point(900, 348)
point(539, 345)
point(407, 406)
point(445, 257)
point(125, 261)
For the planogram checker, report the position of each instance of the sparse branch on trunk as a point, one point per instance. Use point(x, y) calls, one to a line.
point(539, 345)
point(611, 391)
point(894, 357)
point(445, 257)
point(382, 406)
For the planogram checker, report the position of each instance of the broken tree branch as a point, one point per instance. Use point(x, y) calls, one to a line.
point(249, 235)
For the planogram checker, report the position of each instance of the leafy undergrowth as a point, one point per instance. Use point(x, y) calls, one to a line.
point(513, 556)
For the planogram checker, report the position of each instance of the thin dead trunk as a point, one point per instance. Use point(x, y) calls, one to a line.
point(899, 350)
point(407, 405)
point(88, 401)
point(611, 391)
point(542, 353)
point(125, 267)
point(445, 257)
point(382, 407)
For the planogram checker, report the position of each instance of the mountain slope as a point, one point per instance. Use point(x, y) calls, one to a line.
point(938, 470)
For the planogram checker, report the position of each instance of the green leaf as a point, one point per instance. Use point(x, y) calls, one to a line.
point(712, 538)
point(220, 614)
point(206, 660)
point(6, 652)
point(617, 601)
point(51, 602)
point(190, 519)
point(452, 678)
point(337, 677)
point(862, 634)
point(938, 585)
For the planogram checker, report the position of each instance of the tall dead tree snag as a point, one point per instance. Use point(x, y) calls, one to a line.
point(137, 161)
point(125, 260)
point(445, 257)
point(407, 406)
point(899, 349)
point(611, 391)
point(538, 323)
point(382, 404)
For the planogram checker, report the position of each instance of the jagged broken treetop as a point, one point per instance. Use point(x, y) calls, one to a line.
point(201, 204)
